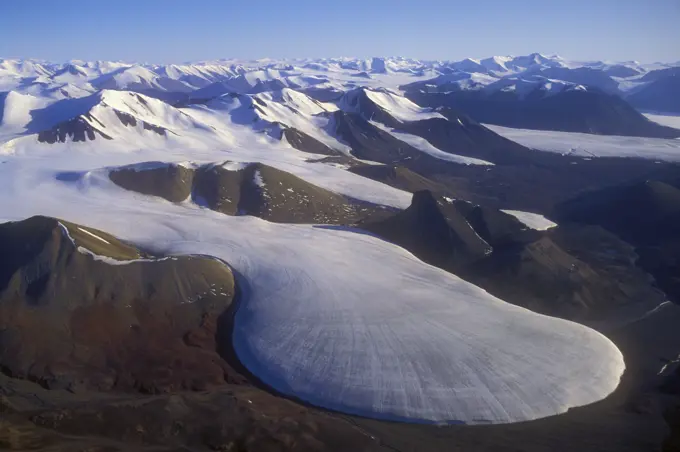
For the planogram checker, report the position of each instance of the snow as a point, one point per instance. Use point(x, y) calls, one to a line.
point(257, 179)
point(532, 220)
point(589, 145)
point(665, 119)
point(235, 166)
point(400, 107)
point(66, 232)
point(15, 112)
point(423, 145)
point(111, 261)
point(93, 235)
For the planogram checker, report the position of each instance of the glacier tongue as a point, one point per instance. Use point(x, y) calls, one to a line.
point(342, 320)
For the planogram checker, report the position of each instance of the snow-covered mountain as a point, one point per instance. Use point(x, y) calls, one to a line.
point(245, 75)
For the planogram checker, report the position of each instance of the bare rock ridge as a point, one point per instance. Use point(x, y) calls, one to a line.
point(80, 310)
point(76, 129)
point(368, 142)
point(246, 189)
point(447, 241)
point(306, 143)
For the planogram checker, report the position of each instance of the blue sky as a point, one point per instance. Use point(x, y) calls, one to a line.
point(166, 31)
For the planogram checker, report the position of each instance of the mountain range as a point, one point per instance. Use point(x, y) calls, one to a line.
point(339, 254)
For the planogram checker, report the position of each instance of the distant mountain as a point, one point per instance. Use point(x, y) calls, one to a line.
point(445, 130)
point(581, 76)
point(570, 110)
point(662, 94)
point(107, 115)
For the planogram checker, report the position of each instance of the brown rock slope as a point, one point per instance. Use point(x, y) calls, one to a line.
point(248, 189)
point(80, 309)
point(574, 272)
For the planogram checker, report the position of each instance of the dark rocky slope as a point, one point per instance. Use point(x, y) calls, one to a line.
point(660, 95)
point(306, 143)
point(369, 142)
point(447, 241)
point(454, 132)
point(646, 215)
point(583, 274)
point(460, 134)
point(76, 130)
point(514, 185)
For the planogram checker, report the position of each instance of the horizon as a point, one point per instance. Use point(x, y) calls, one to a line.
point(168, 32)
point(341, 57)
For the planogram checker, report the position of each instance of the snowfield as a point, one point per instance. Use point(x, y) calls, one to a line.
point(532, 220)
point(425, 146)
point(668, 119)
point(588, 145)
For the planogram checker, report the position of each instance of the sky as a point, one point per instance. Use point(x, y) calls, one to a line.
point(175, 31)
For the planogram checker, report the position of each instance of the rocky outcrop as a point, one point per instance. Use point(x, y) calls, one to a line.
point(76, 130)
point(80, 309)
point(368, 142)
point(440, 238)
point(246, 189)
